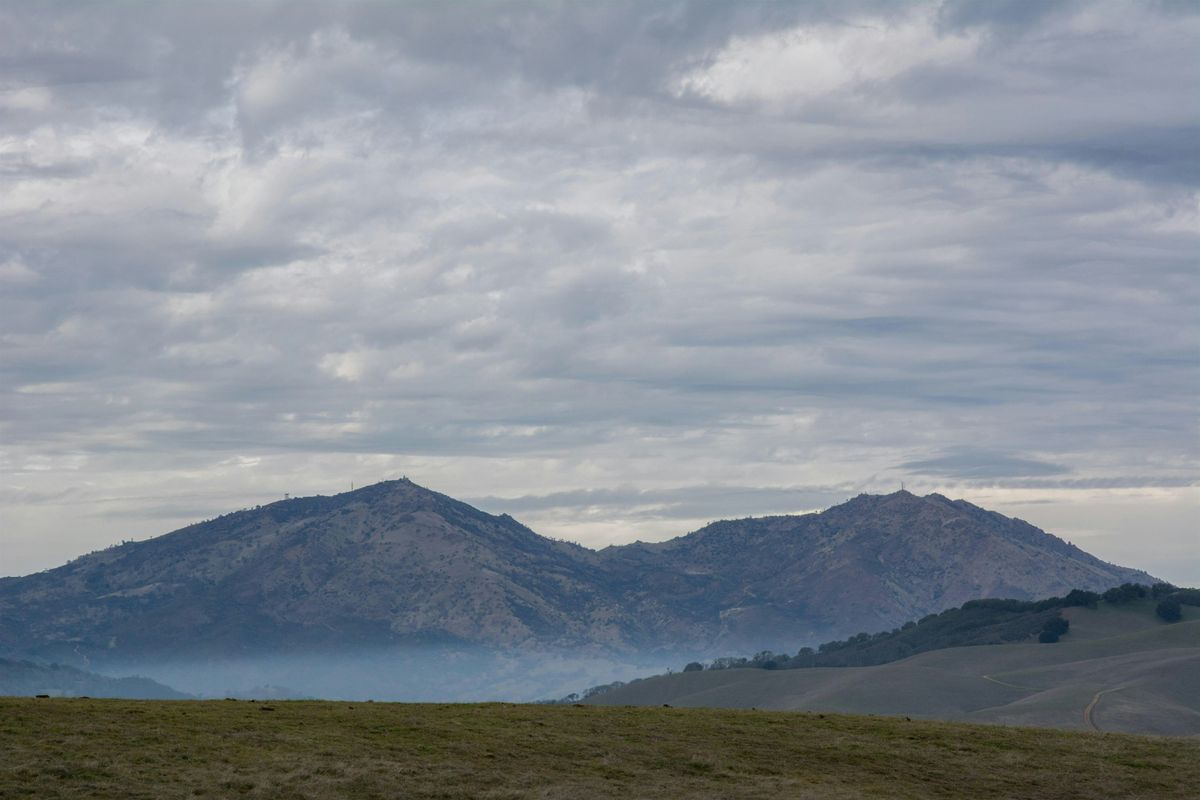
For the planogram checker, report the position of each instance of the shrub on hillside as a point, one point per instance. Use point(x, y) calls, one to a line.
point(1053, 628)
point(1169, 610)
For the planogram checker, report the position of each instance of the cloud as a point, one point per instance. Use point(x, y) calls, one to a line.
point(680, 502)
point(780, 68)
point(967, 464)
point(526, 251)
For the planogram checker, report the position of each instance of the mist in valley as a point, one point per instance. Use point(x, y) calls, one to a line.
point(420, 674)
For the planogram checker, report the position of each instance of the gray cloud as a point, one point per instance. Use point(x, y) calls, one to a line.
point(682, 502)
point(558, 250)
point(967, 463)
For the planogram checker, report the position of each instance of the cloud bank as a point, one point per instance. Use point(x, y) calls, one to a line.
point(746, 258)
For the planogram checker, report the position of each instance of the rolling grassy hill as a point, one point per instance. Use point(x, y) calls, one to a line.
point(1127, 670)
point(64, 748)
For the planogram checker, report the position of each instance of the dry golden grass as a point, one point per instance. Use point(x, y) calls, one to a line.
point(65, 748)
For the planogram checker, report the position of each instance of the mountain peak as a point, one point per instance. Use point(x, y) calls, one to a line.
point(903, 498)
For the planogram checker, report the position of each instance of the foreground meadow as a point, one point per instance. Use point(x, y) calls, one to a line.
point(70, 748)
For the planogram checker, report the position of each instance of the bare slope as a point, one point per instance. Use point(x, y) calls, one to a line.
point(1146, 673)
point(397, 564)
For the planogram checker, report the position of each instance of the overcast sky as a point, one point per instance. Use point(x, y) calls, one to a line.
point(617, 269)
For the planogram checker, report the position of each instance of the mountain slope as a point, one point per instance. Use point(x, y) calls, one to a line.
point(394, 564)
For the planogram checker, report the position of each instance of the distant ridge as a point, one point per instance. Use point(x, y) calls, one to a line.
point(26, 678)
point(395, 564)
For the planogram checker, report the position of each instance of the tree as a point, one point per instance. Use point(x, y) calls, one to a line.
point(1161, 590)
point(694, 666)
point(1125, 593)
point(1053, 629)
point(1078, 597)
point(1169, 610)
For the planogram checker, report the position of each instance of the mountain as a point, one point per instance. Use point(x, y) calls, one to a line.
point(389, 563)
point(395, 564)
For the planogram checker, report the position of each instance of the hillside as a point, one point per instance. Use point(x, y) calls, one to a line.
point(159, 751)
point(395, 564)
point(1128, 670)
point(24, 678)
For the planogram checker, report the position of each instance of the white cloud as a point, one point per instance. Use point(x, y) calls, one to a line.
point(350, 366)
point(17, 271)
point(810, 61)
point(32, 98)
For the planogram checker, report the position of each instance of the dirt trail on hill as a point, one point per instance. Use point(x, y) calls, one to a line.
point(1011, 685)
point(1087, 712)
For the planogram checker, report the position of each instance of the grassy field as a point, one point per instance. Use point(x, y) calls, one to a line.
point(71, 748)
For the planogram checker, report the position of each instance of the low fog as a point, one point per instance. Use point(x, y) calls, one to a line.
point(425, 674)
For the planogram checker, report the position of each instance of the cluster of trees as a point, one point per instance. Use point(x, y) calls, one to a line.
point(1172, 599)
point(1126, 592)
point(578, 697)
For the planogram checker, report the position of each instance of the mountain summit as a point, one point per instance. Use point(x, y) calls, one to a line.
point(395, 564)
point(869, 564)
